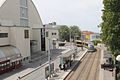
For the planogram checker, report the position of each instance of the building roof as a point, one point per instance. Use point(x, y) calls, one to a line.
point(67, 53)
point(2, 2)
point(9, 52)
point(87, 32)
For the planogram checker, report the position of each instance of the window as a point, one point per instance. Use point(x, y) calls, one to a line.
point(47, 34)
point(3, 35)
point(26, 32)
point(24, 12)
point(23, 3)
point(53, 33)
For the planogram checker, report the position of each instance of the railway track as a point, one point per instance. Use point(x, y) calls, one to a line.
point(88, 69)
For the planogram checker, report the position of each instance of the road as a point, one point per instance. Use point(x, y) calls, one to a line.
point(88, 68)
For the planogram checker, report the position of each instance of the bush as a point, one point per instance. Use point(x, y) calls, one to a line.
point(118, 76)
point(96, 42)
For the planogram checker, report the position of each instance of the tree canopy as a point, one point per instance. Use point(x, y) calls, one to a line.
point(111, 25)
point(66, 32)
point(75, 32)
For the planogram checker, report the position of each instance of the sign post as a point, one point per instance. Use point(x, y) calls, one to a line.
point(49, 57)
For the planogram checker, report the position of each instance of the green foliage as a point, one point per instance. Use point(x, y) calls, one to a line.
point(65, 32)
point(75, 32)
point(118, 76)
point(111, 25)
point(96, 42)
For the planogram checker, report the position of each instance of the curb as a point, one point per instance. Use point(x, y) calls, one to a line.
point(76, 64)
point(101, 71)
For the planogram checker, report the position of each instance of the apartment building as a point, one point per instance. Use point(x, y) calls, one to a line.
point(52, 35)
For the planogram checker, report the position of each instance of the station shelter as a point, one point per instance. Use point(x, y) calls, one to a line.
point(67, 57)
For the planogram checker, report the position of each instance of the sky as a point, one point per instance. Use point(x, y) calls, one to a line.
point(83, 13)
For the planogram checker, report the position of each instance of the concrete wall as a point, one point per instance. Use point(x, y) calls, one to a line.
point(17, 39)
point(12, 7)
point(37, 36)
point(34, 17)
point(10, 13)
point(10, 16)
point(4, 41)
point(52, 37)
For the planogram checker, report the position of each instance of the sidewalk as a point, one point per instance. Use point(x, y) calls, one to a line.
point(105, 74)
point(61, 75)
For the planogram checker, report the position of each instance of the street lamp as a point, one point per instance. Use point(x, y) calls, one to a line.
point(49, 57)
point(48, 51)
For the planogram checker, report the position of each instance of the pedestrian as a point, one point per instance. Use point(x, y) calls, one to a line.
point(60, 66)
point(64, 66)
point(70, 63)
point(82, 48)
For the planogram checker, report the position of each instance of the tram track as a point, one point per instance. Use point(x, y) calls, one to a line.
point(93, 73)
point(88, 69)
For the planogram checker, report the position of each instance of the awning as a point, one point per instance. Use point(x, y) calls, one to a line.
point(9, 52)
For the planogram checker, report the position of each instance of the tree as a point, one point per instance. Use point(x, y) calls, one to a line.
point(64, 33)
point(110, 26)
point(75, 32)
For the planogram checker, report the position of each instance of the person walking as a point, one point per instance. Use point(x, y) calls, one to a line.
point(60, 66)
point(64, 67)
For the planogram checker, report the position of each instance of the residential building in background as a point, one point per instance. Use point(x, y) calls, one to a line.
point(52, 35)
point(95, 36)
point(89, 36)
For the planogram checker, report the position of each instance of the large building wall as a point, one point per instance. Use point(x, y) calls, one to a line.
point(18, 39)
point(37, 36)
point(34, 17)
point(9, 13)
point(51, 37)
point(4, 41)
point(10, 16)
point(12, 7)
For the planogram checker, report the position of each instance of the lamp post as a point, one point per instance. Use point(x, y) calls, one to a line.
point(49, 57)
point(48, 51)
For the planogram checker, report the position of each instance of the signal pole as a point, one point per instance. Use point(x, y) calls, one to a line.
point(49, 57)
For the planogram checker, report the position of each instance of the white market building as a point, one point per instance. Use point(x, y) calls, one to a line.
point(21, 29)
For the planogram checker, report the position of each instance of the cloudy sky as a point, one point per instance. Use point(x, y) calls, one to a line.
point(84, 13)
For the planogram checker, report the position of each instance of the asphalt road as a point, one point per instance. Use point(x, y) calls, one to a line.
point(88, 68)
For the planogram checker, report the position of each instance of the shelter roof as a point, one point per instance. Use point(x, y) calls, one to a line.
point(9, 52)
